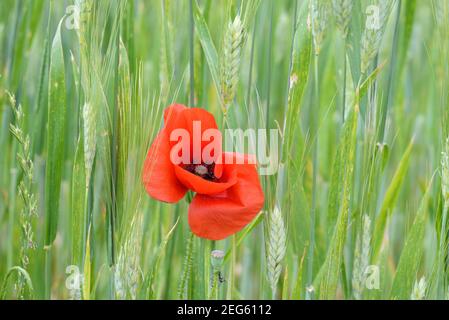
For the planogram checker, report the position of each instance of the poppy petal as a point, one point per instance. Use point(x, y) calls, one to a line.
point(220, 215)
point(178, 116)
point(158, 174)
point(197, 114)
point(174, 118)
point(199, 122)
point(196, 122)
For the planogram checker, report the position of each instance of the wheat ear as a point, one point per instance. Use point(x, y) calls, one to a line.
point(276, 247)
point(230, 65)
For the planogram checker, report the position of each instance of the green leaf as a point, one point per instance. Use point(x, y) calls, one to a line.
point(410, 10)
point(284, 294)
point(298, 80)
point(55, 136)
point(155, 264)
point(207, 44)
point(354, 40)
point(78, 217)
point(335, 191)
point(330, 271)
point(367, 82)
point(296, 293)
point(411, 254)
point(44, 71)
point(390, 200)
point(87, 269)
point(250, 11)
point(337, 183)
point(242, 235)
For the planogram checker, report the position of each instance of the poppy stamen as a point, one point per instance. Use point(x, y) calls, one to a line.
point(203, 170)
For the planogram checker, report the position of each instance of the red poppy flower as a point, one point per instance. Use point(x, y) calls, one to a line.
point(228, 193)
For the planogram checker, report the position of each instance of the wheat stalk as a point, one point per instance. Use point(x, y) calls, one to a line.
point(276, 247)
point(230, 63)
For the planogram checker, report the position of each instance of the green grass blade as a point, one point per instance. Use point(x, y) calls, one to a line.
point(390, 198)
point(410, 13)
point(369, 80)
point(207, 44)
point(406, 273)
point(330, 272)
point(87, 270)
point(55, 136)
point(151, 294)
point(302, 57)
point(78, 216)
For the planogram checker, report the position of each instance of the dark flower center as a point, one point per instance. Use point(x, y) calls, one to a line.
point(203, 170)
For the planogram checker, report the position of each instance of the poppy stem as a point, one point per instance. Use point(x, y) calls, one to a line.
point(232, 268)
point(189, 197)
point(216, 258)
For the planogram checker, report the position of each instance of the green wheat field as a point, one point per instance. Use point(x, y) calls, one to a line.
point(356, 208)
